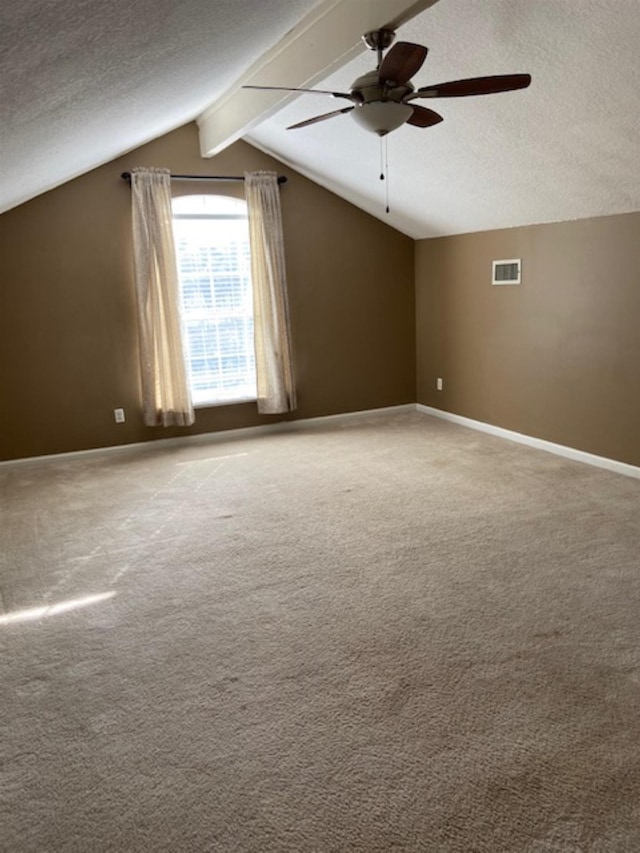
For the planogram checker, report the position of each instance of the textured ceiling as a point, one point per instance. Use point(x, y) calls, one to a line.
point(83, 81)
point(565, 148)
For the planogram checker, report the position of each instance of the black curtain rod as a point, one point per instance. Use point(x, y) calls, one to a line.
point(126, 176)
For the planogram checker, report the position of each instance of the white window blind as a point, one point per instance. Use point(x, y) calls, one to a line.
point(212, 245)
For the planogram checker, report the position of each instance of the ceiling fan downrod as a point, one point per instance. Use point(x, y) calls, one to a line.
point(379, 40)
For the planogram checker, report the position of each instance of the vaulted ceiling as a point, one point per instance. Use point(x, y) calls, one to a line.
point(83, 81)
point(86, 81)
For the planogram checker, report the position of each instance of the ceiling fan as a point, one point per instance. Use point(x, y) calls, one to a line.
point(381, 100)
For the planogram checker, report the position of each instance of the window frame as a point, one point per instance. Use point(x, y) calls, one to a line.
point(237, 211)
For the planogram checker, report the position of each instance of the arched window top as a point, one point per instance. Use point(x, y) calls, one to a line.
point(215, 206)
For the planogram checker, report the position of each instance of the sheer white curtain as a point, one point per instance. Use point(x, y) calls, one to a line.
point(165, 387)
point(274, 370)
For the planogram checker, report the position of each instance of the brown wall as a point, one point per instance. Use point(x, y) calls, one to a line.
point(557, 357)
point(68, 345)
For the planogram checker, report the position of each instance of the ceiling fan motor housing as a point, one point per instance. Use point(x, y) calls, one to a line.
point(380, 108)
point(369, 88)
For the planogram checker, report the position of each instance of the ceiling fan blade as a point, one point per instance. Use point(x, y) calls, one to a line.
point(402, 62)
point(422, 117)
point(474, 86)
point(320, 118)
point(313, 91)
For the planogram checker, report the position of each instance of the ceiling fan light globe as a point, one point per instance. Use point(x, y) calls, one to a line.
point(381, 117)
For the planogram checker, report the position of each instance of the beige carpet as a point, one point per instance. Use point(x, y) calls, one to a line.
point(390, 633)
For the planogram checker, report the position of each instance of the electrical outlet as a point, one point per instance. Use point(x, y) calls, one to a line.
point(439, 383)
point(118, 414)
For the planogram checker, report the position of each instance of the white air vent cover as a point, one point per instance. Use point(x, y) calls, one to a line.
point(507, 272)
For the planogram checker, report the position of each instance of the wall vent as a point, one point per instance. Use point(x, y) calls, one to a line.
point(507, 272)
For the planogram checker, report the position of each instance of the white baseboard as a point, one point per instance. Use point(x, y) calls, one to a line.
point(303, 423)
point(538, 443)
point(211, 437)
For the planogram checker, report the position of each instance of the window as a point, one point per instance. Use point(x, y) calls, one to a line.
point(212, 246)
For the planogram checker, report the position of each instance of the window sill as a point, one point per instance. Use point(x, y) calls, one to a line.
point(237, 401)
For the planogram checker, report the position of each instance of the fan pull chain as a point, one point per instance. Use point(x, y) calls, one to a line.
point(384, 169)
